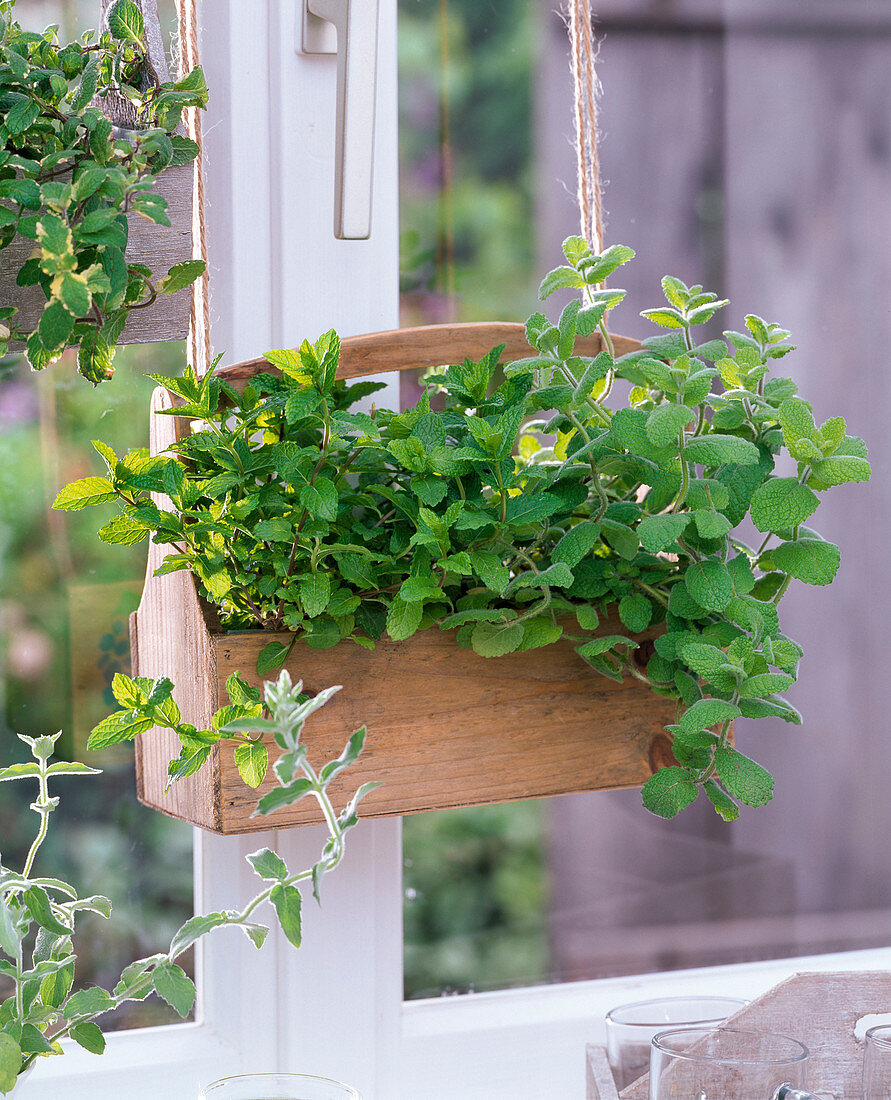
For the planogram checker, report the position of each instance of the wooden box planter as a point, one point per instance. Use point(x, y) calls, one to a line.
point(447, 728)
point(157, 246)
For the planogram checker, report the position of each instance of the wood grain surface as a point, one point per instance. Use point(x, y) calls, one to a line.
point(428, 346)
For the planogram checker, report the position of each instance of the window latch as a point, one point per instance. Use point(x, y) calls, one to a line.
point(348, 28)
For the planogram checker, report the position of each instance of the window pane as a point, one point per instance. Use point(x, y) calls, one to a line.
point(65, 598)
point(752, 157)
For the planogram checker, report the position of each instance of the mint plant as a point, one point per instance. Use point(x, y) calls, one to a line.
point(68, 180)
point(37, 914)
point(517, 510)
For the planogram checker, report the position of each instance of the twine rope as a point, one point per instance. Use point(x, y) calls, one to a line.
point(584, 77)
point(199, 318)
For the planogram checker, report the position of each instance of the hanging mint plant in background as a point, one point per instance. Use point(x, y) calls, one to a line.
point(68, 181)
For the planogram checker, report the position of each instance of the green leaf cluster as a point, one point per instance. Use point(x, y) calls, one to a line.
point(38, 961)
point(68, 180)
point(518, 506)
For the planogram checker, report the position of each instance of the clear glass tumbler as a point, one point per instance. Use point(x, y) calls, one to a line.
point(630, 1028)
point(277, 1086)
point(877, 1064)
point(727, 1064)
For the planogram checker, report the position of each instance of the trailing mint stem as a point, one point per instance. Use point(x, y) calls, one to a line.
point(52, 1012)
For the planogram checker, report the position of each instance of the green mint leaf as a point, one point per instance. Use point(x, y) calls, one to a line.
point(725, 807)
point(709, 584)
point(84, 493)
point(659, 532)
point(715, 450)
point(743, 778)
point(812, 561)
point(576, 543)
point(668, 791)
point(252, 760)
point(781, 504)
point(288, 904)
point(705, 713)
point(635, 611)
point(496, 639)
point(268, 865)
point(125, 22)
point(89, 1036)
point(272, 656)
point(403, 618)
point(174, 986)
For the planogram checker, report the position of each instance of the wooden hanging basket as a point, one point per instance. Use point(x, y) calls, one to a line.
point(446, 727)
point(157, 246)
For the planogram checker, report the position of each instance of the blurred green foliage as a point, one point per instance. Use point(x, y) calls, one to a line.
point(465, 142)
point(56, 657)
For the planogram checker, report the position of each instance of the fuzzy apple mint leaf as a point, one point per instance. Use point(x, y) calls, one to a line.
point(765, 683)
point(635, 611)
point(725, 807)
point(709, 584)
point(268, 865)
point(496, 639)
point(715, 450)
point(837, 470)
point(576, 543)
point(666, 422)
point(781, 504)
point(669, 791)
point(742, 777)
point(812, 561)
point(659, 532)
point(708, 712)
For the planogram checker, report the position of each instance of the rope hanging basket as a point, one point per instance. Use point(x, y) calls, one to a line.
point(447, 728)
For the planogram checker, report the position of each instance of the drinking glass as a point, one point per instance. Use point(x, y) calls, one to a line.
point(727, 1064)
point(877, 1064)
point(277, 1086)
point(630, 1028)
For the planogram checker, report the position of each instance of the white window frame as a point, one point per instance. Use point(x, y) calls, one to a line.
point(335, 1007)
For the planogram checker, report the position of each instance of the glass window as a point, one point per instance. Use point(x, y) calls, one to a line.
point(751, 156)
point(65, 599)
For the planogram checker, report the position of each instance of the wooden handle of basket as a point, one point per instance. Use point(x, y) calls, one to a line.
point(427, 346)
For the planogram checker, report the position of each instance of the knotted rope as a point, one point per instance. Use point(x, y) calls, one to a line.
point(199, 321)
point(584, 76)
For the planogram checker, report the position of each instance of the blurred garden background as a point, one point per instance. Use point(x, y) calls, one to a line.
point(746, 147)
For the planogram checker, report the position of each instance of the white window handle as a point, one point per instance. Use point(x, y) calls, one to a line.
point(349, 29)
